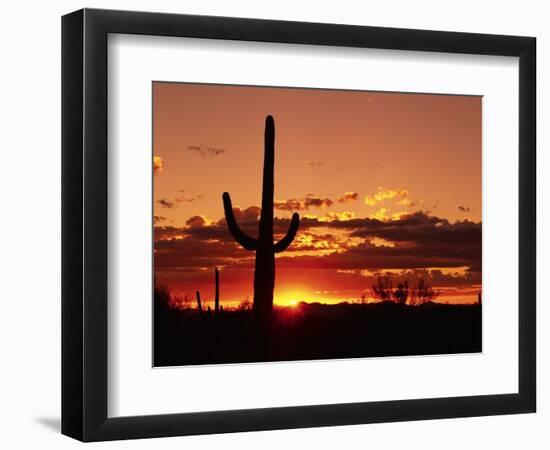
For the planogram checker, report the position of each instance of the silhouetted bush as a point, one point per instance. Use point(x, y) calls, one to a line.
point(382, 289)
point(417, 295)
point(161, 295)
point(421, 293)
point(245, 305)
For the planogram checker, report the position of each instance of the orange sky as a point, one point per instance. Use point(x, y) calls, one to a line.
point(382, 181)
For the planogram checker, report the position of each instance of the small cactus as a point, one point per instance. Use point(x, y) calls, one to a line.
point(217, 295)
point(199, 304)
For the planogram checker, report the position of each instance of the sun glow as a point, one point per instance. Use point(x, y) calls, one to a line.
point(292, 298)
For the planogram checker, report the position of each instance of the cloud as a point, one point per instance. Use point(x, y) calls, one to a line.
point(158, 164)
point(165, 203)
point(420, 240)
point(406, 202)
point(196, 221)
point(250, 214)
point(317, 202)
point(157, 219)
point(465, 208)
point(381, 214)
point(193, 253)
point(168, 232)
point(338, 250)
point(187, 199)
point(344, 215)
point(311, 163)
point(204, 150)
point(292, 204)
point(348, 197)
point(310, 201)
point(385, 194)
point(313, 201)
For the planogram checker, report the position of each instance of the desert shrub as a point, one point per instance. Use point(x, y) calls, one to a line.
point(161, 295)
point(382, 289)
point(245, 305)
point(421, 293)
point(403, 294)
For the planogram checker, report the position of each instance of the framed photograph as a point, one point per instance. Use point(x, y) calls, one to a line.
point(273, 224)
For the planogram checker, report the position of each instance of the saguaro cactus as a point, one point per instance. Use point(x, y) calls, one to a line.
point(265, 248)
point(199, 304)
point(217, 295)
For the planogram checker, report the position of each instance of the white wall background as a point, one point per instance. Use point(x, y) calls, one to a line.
point(30, 227)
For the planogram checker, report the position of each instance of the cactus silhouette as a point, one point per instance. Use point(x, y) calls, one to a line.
point(217, 295)
point(265, 248)
point(199, 304)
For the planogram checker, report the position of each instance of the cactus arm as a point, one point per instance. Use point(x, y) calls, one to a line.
point(283, 244)
point(243, 239)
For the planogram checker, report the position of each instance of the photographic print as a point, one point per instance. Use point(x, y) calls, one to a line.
point(310, 224)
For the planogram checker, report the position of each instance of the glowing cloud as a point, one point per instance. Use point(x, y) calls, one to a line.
point(385, 194)
point(342, 216)
point(158, 164)
point(381, 214)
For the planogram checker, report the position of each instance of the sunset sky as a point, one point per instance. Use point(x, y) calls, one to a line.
point(383, 182)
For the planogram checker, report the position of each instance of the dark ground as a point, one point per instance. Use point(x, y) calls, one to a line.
point(316, 331)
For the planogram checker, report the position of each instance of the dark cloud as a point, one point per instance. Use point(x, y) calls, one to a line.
point(157, 219)
point(252, 213)
point(465, 208)
point(343, 255)
point(165, 203)
point(317, 202)
point(205, 150)
point(348, 197)
point(167, 232)
point(192, 252)
point(292, 204)
point(196, 221)
point(417, 241)
point(186, 199)
point(310, 201)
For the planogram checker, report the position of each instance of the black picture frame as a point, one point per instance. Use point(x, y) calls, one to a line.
point(84, 224)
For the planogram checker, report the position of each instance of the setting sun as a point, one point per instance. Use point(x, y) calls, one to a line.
point(293, 297)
